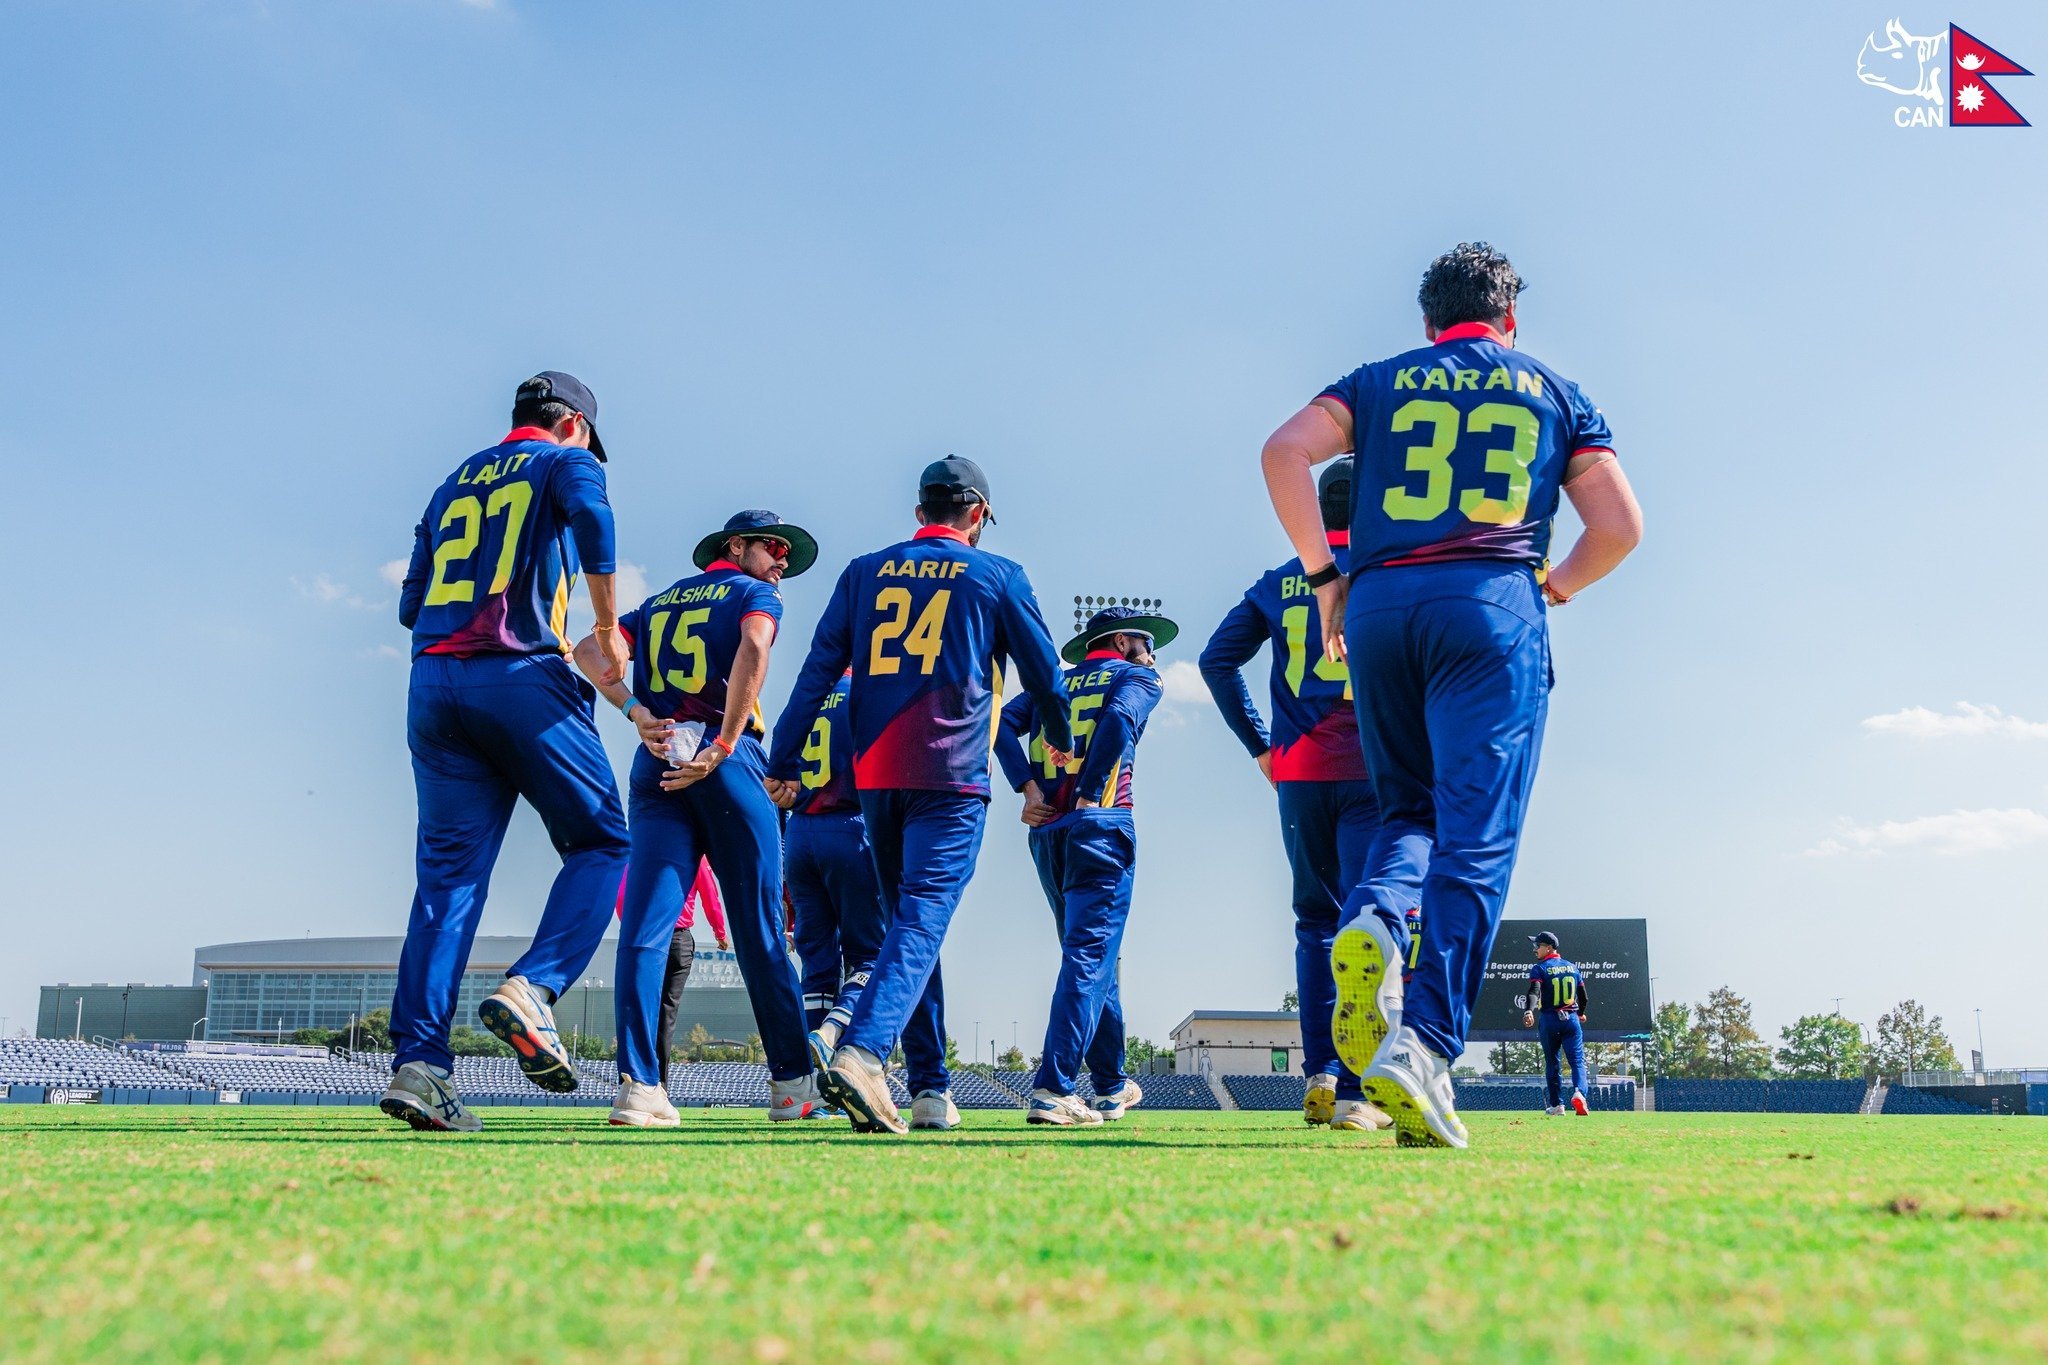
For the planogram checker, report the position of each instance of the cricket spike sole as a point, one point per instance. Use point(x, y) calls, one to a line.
point(1319, 1102)
point(863, 1115)
point(535, 1062)
point(1365, 963)
point(414, 1117)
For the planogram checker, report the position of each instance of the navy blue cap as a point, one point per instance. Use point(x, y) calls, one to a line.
point(1333, 490)
point(554, 385)
point(1115, 620)
point(955, 479)
point(1546, 939)
point(756, 521)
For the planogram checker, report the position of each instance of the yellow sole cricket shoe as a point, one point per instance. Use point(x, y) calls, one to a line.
point(1366, 962)
point(1356, 1116)
point(1412, 1086)
point(1319, 1103)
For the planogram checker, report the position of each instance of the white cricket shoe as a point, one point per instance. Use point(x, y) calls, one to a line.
point(1320, 1101)
point(934, 1109)
point(789, 1100)
point(643, 1106)
point(822, 1040)
point(1064, 1111)
point(1555, 1111)
point(1118, 1102)
point(1366, 962)
point(519, 1014)
point(857, 1083)
point(1357, 1116)
point(1413, 1085)
point(424, 1096)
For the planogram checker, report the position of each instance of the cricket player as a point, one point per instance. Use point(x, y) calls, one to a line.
point(700, 653)
point(1463, 446)
point(925, 625)
point(1557, 1011)
point(1084, 843)
point(1328, 815)
point(830, 872)
point(494, 713)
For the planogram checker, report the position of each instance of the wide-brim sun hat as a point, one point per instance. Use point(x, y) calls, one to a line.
point(757, 521)
point(1120, 620)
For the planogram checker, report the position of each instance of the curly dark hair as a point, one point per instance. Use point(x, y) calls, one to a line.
point(1469, 283)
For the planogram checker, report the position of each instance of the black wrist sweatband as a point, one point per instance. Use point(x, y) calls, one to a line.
point(1327, 574)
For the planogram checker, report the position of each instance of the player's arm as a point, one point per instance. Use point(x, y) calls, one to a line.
point(831, 651)
point(1027, 641)
point(1319, 432)
point(412, 592)
point(580, 499)
point(1012, 726)
point(1117, 724)
point(1601, 495)
point(1535, 999)
point(1580, 980)
point(592, 663)
point(706, 888)
point(1236, 643)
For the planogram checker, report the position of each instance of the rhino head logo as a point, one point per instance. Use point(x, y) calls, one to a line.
point(1903, 64)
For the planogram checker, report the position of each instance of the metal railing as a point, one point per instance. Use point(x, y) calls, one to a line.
point(2016, 1076)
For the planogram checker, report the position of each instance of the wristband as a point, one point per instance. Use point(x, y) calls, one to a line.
point(605, 625)
point(1327, 574)
point(719, 740)
point(626, 706)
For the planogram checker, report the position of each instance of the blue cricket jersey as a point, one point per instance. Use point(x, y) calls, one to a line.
point(684, 640)
point(1315, 726)
point(1108, 700)
point(495, 556)
point(1462, 447)
point(925, 626)
point(827, 775)
point(1555, 987)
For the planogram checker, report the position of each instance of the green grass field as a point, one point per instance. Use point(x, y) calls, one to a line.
point(174, 1233)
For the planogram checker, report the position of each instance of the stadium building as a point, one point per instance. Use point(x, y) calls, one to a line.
point(1237, 1043)
point(268, 989)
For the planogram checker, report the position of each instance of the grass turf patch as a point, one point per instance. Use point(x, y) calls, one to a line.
point(203, 1233)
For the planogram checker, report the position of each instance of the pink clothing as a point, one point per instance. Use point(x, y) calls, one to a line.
point(703, 892)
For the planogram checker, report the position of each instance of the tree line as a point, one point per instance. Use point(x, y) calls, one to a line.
point(1717, 1040)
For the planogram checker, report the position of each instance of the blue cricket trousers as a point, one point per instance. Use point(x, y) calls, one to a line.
point(1561, 1032)
point(1087, 861)
point(839, 930)
point(729, 819)
point(1450, 666)
point(485, 731)
point(924, 845)
point(1327, 829)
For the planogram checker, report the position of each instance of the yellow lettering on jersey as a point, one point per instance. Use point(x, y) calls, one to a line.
point(921, 568)
point(1529, 382)
point(1499, 378)
point(832, 700)
point(1405, 378)
point(703, 592)
point(1435, 379)
point(1466, 379)
point(929, 569)
point(1294, 585)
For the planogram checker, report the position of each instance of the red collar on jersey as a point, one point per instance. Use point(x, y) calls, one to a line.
point(1470, 331)
point(723, 566)
point(528, 434)
point(941, 533)
point(1100, 654)
point(1340, 540)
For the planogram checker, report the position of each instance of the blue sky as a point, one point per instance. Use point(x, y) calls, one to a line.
point(271, 269)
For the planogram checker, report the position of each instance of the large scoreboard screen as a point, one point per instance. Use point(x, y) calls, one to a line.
point(1613, 955)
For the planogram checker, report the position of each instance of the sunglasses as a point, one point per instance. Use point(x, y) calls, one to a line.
point(776, 546)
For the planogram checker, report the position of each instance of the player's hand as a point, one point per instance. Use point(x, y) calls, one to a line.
point(1528, 1019)
point(1553, 596)
point(1083, 803)
point(612, 645)
point(782, 791)
point(1060, 757)
point(1266, 767)
point(1036, 811)
point(723, 946)
point(1330, 598)
point(653, 730)
point(696, 770)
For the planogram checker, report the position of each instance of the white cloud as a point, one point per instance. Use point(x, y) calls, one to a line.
point(324, 590)
point(393, 572)
point(1966, 721)
point(1957, 834)
point(1181, 681)
point(630, 589)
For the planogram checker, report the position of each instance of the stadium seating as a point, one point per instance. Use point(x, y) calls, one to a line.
point(1170, 1090)
point(1525, 1095)
point(1713, 1097)
point(77, 1065)
point(972, 1090)
point(1815, 1097)
point(324, 1076)
point(1903, 1099)
point(1273, 1091)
